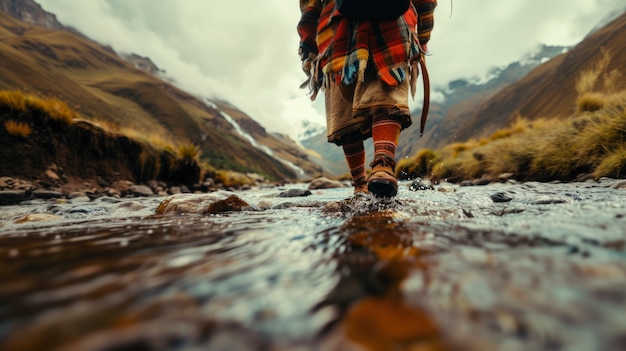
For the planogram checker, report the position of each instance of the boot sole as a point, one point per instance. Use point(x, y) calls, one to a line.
point(382, 188)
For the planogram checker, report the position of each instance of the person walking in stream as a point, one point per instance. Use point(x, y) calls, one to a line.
point(365, 59)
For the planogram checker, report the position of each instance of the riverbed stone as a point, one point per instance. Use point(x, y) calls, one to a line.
point(325, 183)
point(505, 177)
point(619, 185)
point(6, 182)
point(130, 206)
point(501, 197)
point(38, 217)
point(295, 193)
point(47, 194)
point(121, 187)
point(217, 202)
point(141, 190)
point(11, 197)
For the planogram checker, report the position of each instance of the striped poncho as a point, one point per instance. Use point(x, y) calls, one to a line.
point(343, 47)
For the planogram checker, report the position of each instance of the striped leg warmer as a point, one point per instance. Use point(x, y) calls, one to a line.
point(385, 132)
point(355, 156)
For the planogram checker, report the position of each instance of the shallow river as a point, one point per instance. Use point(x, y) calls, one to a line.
point(528, 266)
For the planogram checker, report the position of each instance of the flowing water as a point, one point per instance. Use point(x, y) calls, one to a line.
point(503, 267)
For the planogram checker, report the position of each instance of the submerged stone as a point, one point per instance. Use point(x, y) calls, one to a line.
point(501, 197)
point(141, 190)
point(218, 202)
point(295, 193)
point(38, 217)
point(325, 183)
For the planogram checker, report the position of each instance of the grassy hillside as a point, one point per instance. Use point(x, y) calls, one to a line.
point(591, 143)
point(106, 90)
point(547, 91)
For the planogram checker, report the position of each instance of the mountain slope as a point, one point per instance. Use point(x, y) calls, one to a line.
point(547, 91)
point(102, 86)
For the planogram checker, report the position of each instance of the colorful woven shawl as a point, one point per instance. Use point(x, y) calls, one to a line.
point(344, 46)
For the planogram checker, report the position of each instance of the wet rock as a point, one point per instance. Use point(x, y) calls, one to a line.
point(505, 177)
point(501, 197)
point(295, 193)
point(325, 183)
point(130, 206)
point(175, 190)
point(482, 181)
point(80, 199)
point(217, 202)
point(421, 184)
point(141, 190)
point(6, 182)
point(87, 209)
point(619, 185)
point(52, 175)
point(47, 194)
point(38, 217)
point(109, 199)
point(120, 188)
point(76, 194)
point(11, 197)
point(548, 200)
point(446, 189)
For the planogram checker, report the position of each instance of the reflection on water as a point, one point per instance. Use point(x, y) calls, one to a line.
point(430, 270)
point(375, 256)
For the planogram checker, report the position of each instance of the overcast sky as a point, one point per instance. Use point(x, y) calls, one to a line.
point(249, 56)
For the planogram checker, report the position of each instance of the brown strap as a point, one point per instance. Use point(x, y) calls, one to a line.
point(426, 104)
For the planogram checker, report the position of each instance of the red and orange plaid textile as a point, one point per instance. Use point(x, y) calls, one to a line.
point(343, 47)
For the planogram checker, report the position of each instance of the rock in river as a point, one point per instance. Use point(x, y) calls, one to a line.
point(325, 183)
point(218, 202)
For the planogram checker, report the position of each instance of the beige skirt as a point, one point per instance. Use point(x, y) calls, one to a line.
point(351, 108)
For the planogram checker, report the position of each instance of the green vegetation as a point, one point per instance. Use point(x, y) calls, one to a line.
point(592, 142)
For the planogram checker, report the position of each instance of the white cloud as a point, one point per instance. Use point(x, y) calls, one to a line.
point(248, 55)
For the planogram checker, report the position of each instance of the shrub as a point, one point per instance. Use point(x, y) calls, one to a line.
point(14, 100)
point(613, 164)
point(19, 129)
point(590, 102)
point(188, 152)
point(54, 108)
point(232, 179)
point(420, 165)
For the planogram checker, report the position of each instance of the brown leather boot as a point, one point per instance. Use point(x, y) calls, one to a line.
point(382, 181)
point(361, 187)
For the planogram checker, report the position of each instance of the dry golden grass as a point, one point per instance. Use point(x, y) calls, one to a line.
point(613, 165)
point(51, 107)
point(189, 151)
point(54, 108)
point(544, 149)
point(590, 102)
point(18, 129)
point(232, 179)
point(14, 100)
point(587, 79)
point(591, 142)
